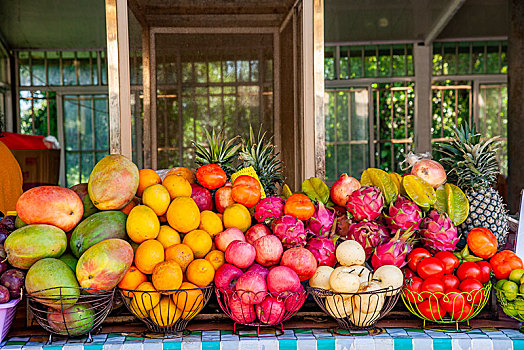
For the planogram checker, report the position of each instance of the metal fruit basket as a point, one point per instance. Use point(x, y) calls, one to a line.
point(272, 312)
point(356, 311)
point(62, 311)
point(166, 311)
point(476, 298)
point(513, 308)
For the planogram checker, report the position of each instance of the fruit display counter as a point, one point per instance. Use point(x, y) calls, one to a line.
point(231, 238)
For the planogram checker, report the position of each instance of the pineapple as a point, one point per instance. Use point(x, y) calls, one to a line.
point(259, 153)
point(218, 151)
point(471, 164)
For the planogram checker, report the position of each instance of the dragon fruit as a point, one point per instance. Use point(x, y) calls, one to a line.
point(369, 234)
point(268, 209)
point(438, 232)
point(322, 221)
point(290, 230)
point(404, 215)
point(323, 250)
point(393, 252)
point(365, 203)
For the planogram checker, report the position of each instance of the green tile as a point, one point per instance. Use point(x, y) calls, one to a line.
point(226, 332)
point(441, 343)
point(287, 344)
point(133, 338)
point(210, 345)
point(418, 330)
point(10, 342)
point(325, 343)
point(303, 331)
point(175, 345)
point(403, 344)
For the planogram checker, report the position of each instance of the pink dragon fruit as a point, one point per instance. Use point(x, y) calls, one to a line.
point(322, 221)
point(394, 251)
point(290, 230)
point(438, 232)
point(369, 234)
point(365, 203)
point(268, 209)
point(404, 215)
point(323, 250)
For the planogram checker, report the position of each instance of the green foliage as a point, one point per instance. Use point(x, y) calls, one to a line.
point(316, 190)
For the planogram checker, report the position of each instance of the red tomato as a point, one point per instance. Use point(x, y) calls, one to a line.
point(211, 176)
point(450, 281)
point(430, 267)
point(474, 290)
point(454, 300)
point(504, 262)
point(413, 288)
point(449, 259)
point(431, 309)
point(415, 256)
point(482, 242)
point(469, 269)
point(408, 273)
point(433, 287)
point(299, 206)
point(246, 190)
point(486, 269)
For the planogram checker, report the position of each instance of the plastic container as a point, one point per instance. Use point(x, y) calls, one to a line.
point(7, 314)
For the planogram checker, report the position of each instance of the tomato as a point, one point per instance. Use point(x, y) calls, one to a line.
point(474, 290)
point(504, 262)
point(485, 268)
point(451, 262)
point(469, 269)
point(412, 291)
point(430, 267)
point(431, 309)
point(299, 206)
point(482, 242)
point(453, 300)
point(450, 281)
point(415, 256)
point(211, 176)
point(408, 273)
point(432, 287)
point(462, 313)
point(246, 190)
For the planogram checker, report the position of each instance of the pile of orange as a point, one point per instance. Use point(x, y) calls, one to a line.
point(175, 253)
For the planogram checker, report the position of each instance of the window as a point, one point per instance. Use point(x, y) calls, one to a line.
point(38, 113)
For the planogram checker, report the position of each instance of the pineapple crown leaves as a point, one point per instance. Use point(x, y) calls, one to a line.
point(470, 161)
point(218, 151)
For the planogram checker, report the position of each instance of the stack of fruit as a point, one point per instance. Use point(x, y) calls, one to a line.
point(11, 279)
point(351, 293)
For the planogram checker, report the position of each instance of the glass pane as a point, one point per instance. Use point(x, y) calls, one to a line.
point(101, 123)
point(72, 168)
point(463, 58)
point(215, 72)
point(84, 68)
point(449, 63)
point(69, 68)
point(229, 71)
point(359, 115)
point(384, 62)
point(344, 62)
point(88, 163)
point(331, 166)
point(342, 126)
point(24, 71)
point(343, 157)
point(478, 58)
point(200, 72)
point(243, 70)
point(330, 116)
point(359, 159)
point(370, 61)
point(86, 123)
point(104, 67)
point(329, 62)
point(253, 65)
point(38, 67)
point(356, 62)
point(71, 126)
point(53, 68)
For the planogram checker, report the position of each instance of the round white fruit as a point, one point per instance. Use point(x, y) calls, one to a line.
point(366, 301)
point(350, 253)
point(362, 272)
point(321, 277)
point(361, 319)
point(338, 306)
point(343, 280)
point(389, 276)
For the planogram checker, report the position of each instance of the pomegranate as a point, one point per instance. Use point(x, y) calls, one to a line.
point(428, 170)
point(342, 188)
point(282, 281)
point(301, 260)
point(256, 231)
point(224, 197)
point(268, 250)
point(271, 310)
point(224, 238)
point(241, 254)
point(226, 276)
point(202, 197)
point(251, 287)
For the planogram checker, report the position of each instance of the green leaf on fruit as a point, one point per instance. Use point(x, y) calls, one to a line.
point(379, 178)
point(452, 201)
point(316, 189)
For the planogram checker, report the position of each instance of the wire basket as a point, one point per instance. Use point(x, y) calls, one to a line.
point(356, 311)
point(268, 311)
point(70, 311)
point(434, 311)
point(166, 311)
point(514, 308)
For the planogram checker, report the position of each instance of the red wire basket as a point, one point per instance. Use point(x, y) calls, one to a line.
point(270, 310)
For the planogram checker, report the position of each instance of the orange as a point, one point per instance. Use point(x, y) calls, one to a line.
point(183, 214)
point(200, 272)
point(211, 223)
point(184, 172)
point(132, 279)
point(237, 215)
point(177, 186)
point(199, 241)
point(167, 275)
point(188, 299)
point(148, 254)
point(146, 178)
point(145, 300)
point(166, 313)
point(157, 198)
point(142, 224)
point(180, 253)
point(134, 202)
point(191, 313)
point(216, 258)
point(168, 237)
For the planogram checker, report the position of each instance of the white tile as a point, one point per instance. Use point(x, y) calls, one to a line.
point(345, 343)
point(267, 343)
point(305, 344)
point(502, 344)
point(365, 343)
point(481, 344)
point(422, 343)
point(460, 344)
point(229, 344)
point(191, 345)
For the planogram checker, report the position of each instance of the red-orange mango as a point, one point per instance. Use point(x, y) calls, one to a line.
point(52, 205)
point(113, 182)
